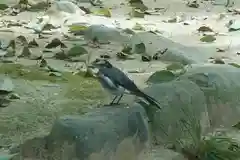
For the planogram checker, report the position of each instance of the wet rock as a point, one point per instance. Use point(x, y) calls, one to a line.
point(103, 131)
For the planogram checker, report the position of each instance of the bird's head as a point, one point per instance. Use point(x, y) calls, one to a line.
point(99, 63)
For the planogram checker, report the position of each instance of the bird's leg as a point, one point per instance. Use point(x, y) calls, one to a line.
point(113, 100)
point(119, 98)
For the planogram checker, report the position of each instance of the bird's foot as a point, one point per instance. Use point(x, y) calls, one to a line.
point(114, 104)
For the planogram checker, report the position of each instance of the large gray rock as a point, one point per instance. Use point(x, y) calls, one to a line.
point(66, 6)
point(109, 131)
point(221, 87)
point(183, 107)
point(206, 97)
point(104, 34)
point(176, 52)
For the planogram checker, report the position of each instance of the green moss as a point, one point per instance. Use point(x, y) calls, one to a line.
point(25, 72)
point(77, 84)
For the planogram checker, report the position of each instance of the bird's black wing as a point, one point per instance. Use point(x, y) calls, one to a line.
point(119, 78)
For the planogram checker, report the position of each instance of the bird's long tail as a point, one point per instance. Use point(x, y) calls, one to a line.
point(148, 98)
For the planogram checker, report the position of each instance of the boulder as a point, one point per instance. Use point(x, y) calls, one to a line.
point(201, 100)
point(175, 52)
point(183, 111)
point(112, 131)
point(221, 87)
point(104, 34)
point(67, 7)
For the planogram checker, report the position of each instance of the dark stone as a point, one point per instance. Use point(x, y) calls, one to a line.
point(100, 131)
point(146, 58)
point(182, 102)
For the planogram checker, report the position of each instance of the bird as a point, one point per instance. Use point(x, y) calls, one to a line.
point(118, 83)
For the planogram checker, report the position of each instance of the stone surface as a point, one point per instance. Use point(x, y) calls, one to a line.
point(220, 84)
point(6, 85)
point(104, 34)
point(106, 132)
point(176, 52)
point(182, 102)
point(206, 96)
